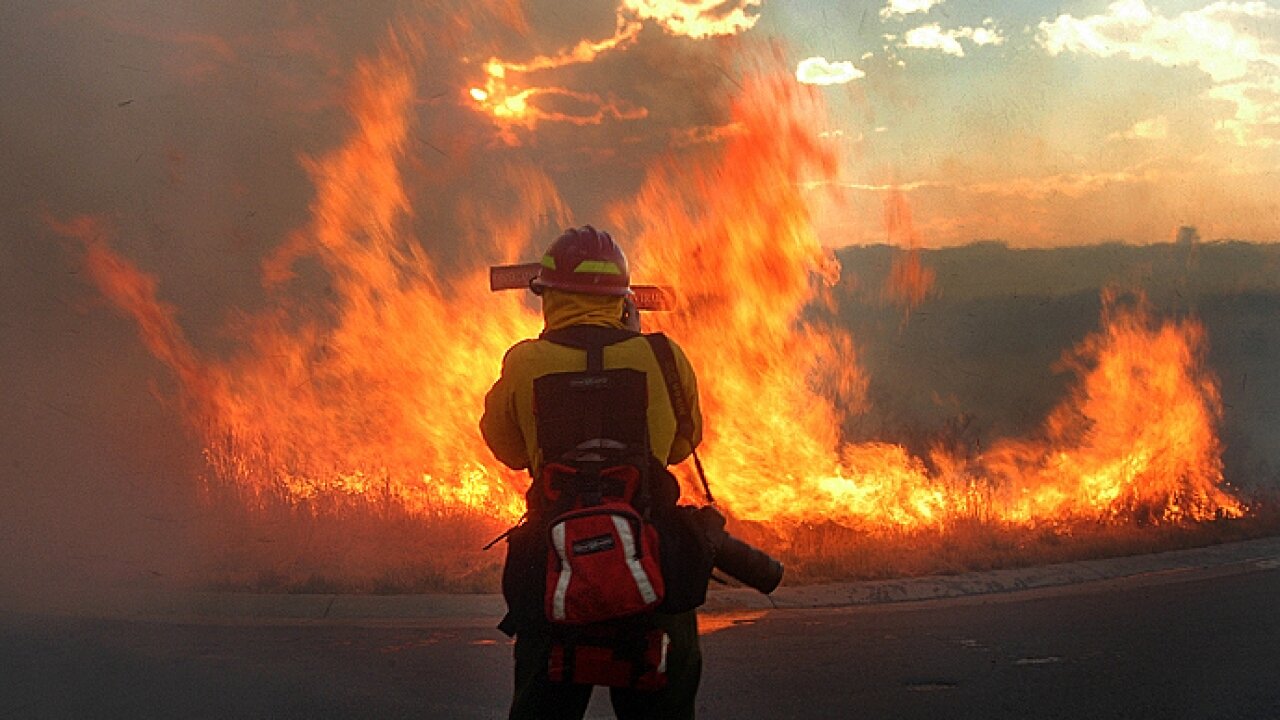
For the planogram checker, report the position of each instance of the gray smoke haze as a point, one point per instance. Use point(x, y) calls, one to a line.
point(182, 124)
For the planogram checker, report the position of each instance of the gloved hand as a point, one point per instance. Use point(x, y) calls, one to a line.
point(630, 314)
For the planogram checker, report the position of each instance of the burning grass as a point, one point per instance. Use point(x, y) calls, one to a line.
point(385, 548)
point(826, 552)
point(340, 428)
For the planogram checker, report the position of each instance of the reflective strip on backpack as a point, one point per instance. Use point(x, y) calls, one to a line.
point(562, 584)
point(662, 662)
point(633, 563)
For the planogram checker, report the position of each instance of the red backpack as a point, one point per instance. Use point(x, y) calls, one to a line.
point(603, 556)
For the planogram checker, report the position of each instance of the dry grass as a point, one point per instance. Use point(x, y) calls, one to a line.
point(830, 553)
point(347, 546)
point(359, 546)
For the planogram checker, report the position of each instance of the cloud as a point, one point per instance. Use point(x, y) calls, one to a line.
point(820, 71)
point(1070, 185)
point(1156, 128)
point(1237, 44)
point(698, 18)
point(907, 7)
point(985, 35)
point(1039, 187)
point(515, 104)
point(933, 37)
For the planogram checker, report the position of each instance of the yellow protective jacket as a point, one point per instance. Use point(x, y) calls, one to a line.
point(508, 423)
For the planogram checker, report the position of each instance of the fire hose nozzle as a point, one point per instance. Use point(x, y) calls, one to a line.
point(740, 560)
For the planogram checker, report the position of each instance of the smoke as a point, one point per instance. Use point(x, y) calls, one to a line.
point(96, 490)
point(199, 136)
point(189, 132)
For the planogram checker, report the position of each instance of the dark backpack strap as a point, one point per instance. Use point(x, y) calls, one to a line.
point(592, 339)
point(594, 420)
point(584, 337)
point(675, 389)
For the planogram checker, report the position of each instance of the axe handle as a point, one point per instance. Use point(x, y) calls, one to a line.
point(518, 277)
point(512, 277)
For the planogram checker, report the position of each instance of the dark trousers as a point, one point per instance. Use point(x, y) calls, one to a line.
point(537, 698)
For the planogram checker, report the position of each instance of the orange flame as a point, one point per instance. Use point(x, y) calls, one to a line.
point(909, 281)
point(374, 391)
point(1137, 434)
point(734, 236)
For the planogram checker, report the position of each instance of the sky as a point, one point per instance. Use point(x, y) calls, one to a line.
point(1048, 123)
point(1035, 123)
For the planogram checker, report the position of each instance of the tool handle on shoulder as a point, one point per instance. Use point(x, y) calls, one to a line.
point(518, 277)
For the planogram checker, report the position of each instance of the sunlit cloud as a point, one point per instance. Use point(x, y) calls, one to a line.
point(1069, 185)
point(933, 37)
point(1038, 187)
point(698, 18)
point(820, 71)
point(1156, 128)
point(1038, 208)
point(985, 35)
point(879, 187)
point(513, 104)
point(1237, 44)
point(907, 7)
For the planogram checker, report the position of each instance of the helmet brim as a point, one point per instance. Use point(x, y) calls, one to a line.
point(538, 286)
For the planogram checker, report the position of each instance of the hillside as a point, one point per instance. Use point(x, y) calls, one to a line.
point(976, 360)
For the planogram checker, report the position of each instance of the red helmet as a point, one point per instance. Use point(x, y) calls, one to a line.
point(584, 260)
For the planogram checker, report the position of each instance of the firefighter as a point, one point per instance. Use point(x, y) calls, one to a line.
point(584, 284)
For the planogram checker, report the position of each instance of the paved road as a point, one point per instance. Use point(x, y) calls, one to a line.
point(1164, 647)
point(1180, 643)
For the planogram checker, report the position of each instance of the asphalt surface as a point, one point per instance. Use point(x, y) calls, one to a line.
point(1194, 634)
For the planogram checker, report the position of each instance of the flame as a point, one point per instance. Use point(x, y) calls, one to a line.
point(734, 235)
point(1137, 434)
point(372, 389)
point(909, 281)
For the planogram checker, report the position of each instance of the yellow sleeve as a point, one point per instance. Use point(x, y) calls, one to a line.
point(682, 448)
point(500, 426)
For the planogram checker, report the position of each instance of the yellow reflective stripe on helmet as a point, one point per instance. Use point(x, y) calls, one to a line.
point(599, 267)
point(548, 262)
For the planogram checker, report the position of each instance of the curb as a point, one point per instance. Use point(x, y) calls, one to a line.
point(1251, 554)
point(221, 607)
